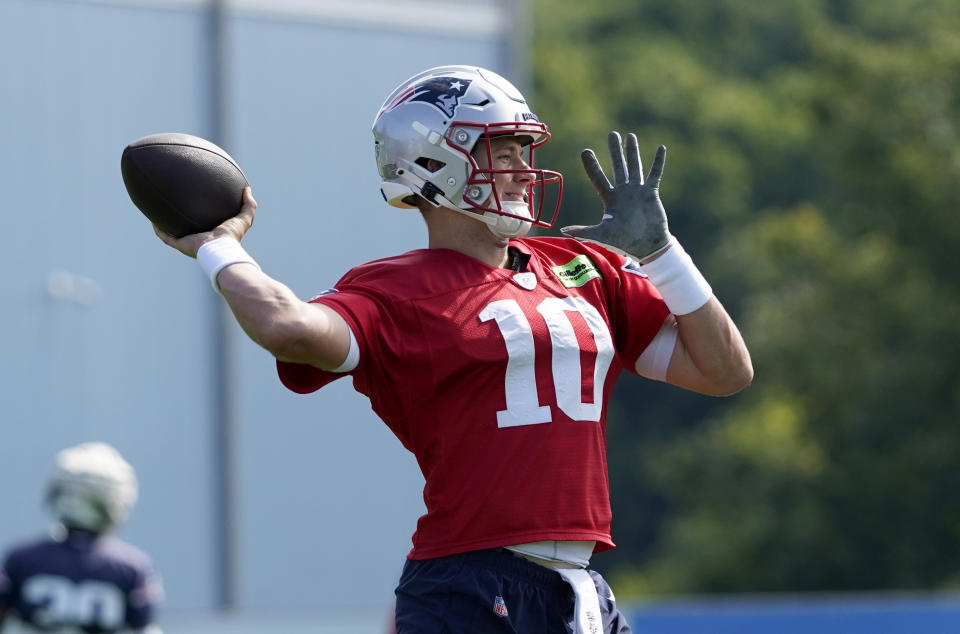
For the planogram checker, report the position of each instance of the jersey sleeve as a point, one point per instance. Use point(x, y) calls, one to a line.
point(362, 314)
point(636, 305)
point(144, 599)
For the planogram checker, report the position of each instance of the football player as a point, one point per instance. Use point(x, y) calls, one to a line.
point(82, 578)
point(492, 356)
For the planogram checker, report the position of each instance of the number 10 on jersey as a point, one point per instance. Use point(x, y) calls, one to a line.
point(520, 382)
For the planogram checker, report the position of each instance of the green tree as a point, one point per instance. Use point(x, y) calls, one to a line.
point(813, 170)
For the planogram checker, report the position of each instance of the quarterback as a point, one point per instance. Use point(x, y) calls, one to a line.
point(492, 355)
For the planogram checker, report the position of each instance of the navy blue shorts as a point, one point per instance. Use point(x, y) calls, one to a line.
point(492, 591)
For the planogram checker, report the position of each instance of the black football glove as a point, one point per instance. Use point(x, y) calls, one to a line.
point(634, 221)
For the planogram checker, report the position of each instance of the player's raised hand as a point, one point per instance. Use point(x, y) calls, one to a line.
point(634, 221)
point(235, 228)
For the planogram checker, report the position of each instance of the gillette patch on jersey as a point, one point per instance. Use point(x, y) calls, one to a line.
point(576, 272)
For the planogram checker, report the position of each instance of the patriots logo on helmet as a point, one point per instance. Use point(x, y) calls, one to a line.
point(443, 93)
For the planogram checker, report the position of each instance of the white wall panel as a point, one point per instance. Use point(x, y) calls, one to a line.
point(119, 350)
point(107, 334)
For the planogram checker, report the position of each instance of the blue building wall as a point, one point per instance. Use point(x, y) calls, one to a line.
point(105, 335)
point(110, 335)
point(882, 614)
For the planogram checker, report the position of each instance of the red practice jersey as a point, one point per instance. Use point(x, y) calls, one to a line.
point(498, 383)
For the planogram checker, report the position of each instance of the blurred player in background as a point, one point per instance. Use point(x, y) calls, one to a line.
point(492, 356)
point(81, 578)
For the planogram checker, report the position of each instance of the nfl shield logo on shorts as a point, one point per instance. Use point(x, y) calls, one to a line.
point(499, 606)
point(592, 622)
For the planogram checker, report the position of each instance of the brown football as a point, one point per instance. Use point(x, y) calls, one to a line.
point(182, 183)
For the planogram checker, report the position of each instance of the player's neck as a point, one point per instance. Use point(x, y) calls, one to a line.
point(470, 237)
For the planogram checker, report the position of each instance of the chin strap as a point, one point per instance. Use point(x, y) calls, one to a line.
point(498, 224)
point(506, 226)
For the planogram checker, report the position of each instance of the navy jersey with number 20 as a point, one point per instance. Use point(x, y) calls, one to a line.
point(83, 581)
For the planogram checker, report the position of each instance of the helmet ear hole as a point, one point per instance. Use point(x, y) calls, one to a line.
point(431, 165)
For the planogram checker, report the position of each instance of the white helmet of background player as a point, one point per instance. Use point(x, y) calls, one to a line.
point(442, 114)
point(91, 487)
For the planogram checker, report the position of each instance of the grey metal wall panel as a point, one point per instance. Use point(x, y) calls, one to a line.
point(119, 351)
point(108, 334)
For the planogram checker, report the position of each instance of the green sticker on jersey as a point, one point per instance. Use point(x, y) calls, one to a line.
point(576, 272)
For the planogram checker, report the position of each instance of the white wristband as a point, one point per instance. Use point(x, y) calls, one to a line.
point(218, 254)
point(681, 285)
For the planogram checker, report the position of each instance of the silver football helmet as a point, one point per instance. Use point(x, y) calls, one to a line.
point(442, 114)
point(91, 487)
